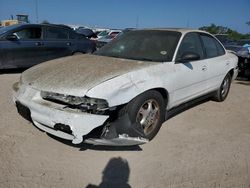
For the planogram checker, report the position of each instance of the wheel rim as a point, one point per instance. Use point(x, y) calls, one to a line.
point(148, 115)
point(225, 87)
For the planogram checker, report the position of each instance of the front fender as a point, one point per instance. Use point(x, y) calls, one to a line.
point(122, 89)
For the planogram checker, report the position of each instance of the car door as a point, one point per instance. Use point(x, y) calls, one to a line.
point(190, 77)
point(23, 49)
point(217, 62)
point(57, 42)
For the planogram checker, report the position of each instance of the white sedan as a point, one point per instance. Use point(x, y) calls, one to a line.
point(123, 93)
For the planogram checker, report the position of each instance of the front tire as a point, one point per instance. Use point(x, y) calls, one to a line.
point(148, 109)
point(222, 92)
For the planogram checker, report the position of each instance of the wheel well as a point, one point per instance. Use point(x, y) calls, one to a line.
point(163, 92)
point(231, 72)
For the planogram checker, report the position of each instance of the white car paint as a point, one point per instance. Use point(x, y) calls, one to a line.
point(181, 81)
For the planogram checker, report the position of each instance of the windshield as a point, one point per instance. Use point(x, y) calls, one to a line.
point(107, 37)
point(7, 28)
point(148, 45)
point(103, 33)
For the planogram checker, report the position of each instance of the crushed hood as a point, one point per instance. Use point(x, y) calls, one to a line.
point(75, 75)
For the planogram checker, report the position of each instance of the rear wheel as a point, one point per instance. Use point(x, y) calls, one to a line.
point(148, 109)
point(222, 92)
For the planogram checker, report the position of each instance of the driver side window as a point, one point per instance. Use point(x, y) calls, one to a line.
point(29, 33)
point(190, 43)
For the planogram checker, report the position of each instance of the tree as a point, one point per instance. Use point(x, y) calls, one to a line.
point(232, 34)
point(213, 29)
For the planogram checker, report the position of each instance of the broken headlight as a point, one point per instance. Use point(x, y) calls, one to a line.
point(85, 104)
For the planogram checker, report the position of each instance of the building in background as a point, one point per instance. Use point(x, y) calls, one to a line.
point(21, 18)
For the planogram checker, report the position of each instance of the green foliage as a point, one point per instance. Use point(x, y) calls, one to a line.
point(232, 34)
point(213, 29)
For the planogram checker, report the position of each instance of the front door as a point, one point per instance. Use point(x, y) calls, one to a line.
point(191, 77)
point(23, 51)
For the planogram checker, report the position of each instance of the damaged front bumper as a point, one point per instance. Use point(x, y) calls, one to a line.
point(121, 140)
point(73, 124)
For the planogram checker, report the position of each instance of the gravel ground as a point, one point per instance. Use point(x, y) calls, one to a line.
point(205, 146)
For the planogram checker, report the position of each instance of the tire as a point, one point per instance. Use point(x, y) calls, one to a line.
point(138, 111)
point(90, 51)
point(222, 92)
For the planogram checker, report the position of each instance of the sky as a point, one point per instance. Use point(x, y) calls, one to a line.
point(133, 13)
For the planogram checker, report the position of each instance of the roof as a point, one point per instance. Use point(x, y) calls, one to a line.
point(182, 30)
point(55, 25)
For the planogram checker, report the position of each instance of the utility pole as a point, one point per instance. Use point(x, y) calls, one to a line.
point(188, 23)
point(137, 22)
point(36, 11)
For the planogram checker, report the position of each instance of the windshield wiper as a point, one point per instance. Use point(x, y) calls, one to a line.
point(140, 58)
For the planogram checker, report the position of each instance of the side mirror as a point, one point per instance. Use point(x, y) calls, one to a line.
point(188, 56)
point(11, 37)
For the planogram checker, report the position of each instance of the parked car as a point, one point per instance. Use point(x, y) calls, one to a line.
point(111, 32)
point(123, 93)
point(25, 45)
point(108, 38)
point(89, 33)
point(242, 50)
point(243, 42)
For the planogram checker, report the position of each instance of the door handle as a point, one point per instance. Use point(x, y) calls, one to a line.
point(38, 43)
point(204, 68)
point(68, 43)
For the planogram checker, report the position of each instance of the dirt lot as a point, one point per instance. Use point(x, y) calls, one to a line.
point(205, 146)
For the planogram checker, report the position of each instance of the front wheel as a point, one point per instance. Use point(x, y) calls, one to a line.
point(147, 109)
point(222, 92)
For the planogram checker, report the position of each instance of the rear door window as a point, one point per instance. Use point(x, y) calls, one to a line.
point(212, 47)
point(72, 35)
point(220, 49)
point(56, 33)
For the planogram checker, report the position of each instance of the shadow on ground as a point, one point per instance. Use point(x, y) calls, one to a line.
point(84, 147)
point(114, 175)
point(170, 114)
point(242, 81)
point(12, 71)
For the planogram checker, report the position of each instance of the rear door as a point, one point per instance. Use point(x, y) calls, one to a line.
point(57, 42)
point(191, 77)
point(217, 62)
point(25, 50)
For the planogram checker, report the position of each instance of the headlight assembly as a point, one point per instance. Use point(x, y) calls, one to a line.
point(85, 104)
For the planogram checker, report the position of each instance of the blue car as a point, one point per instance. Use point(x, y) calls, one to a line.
point(25, 45)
